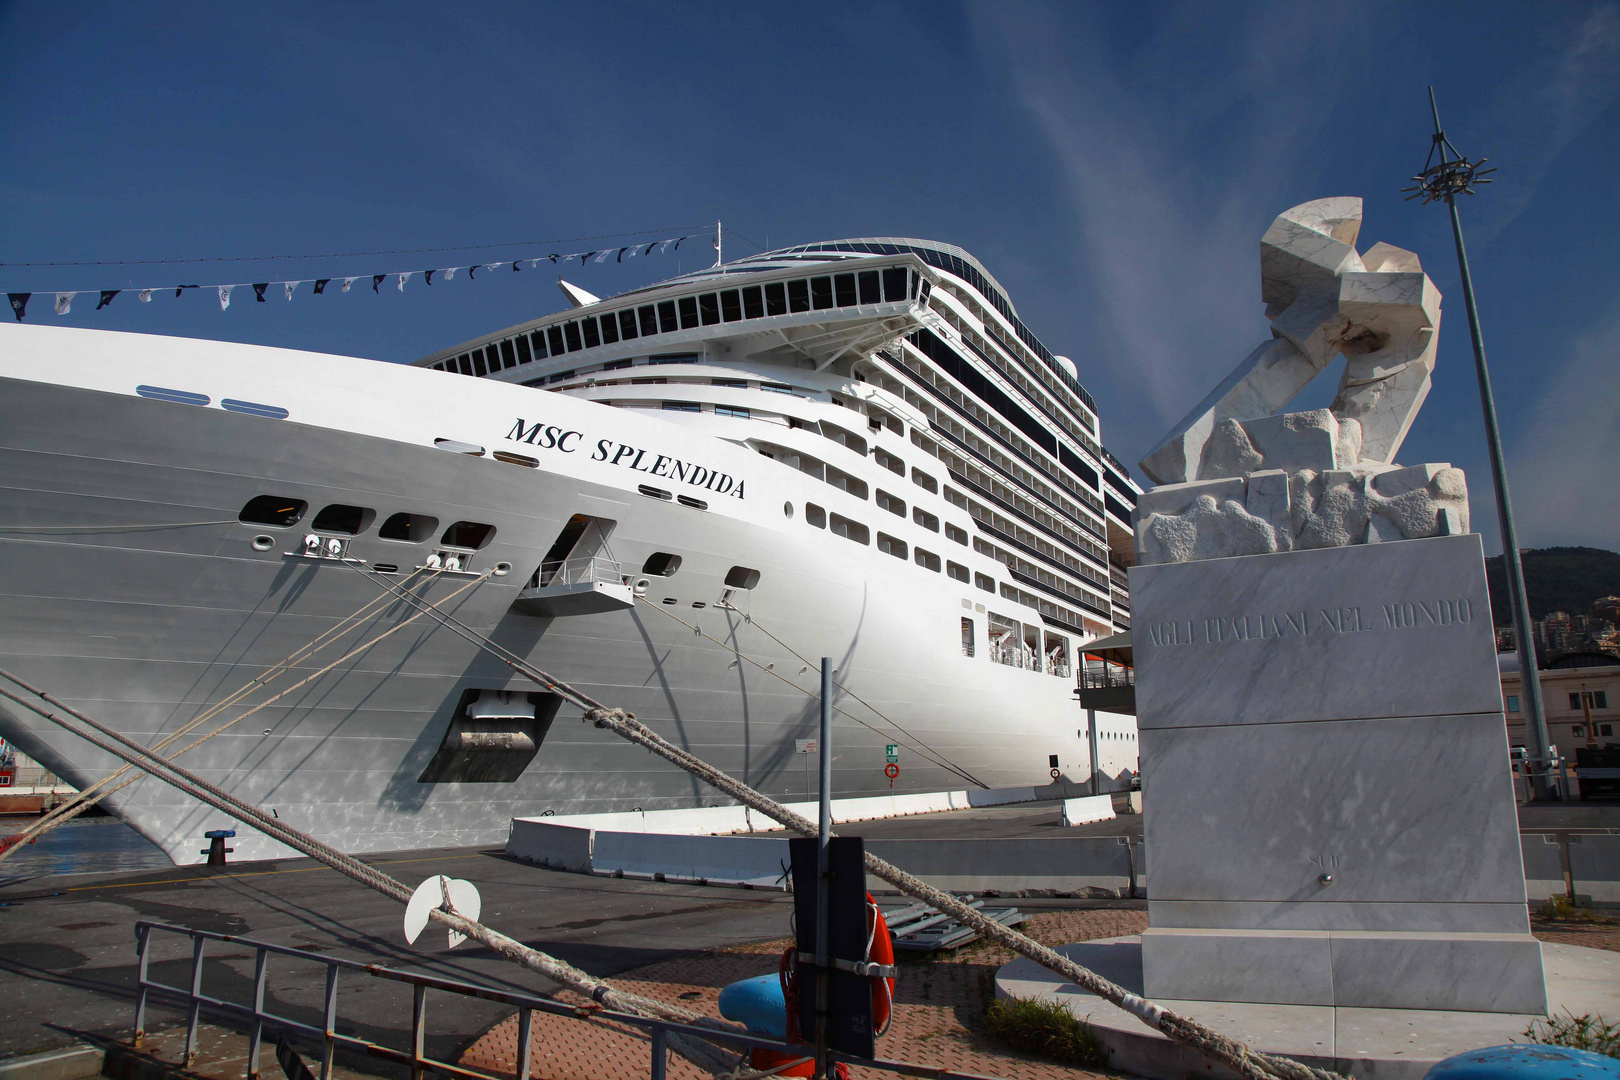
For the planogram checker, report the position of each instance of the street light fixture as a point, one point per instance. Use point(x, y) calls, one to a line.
point(1447, 174)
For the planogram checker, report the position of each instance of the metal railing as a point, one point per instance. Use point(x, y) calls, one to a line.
point(582, 571)
point(1105, 674)
point(196, 1001)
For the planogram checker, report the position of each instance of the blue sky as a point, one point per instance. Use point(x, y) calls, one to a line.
point(1114, 165)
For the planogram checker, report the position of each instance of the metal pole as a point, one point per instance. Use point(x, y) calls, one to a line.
point(1534, 714)
point(1091, 738)
point(823, 870)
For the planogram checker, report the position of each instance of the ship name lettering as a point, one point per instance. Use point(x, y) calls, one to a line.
point(547, 437)
point(672, 468)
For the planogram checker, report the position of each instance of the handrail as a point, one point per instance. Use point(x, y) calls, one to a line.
point(417, 1058)
point(580, 571)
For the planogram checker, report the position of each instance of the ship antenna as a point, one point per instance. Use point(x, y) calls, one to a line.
point(719, 253)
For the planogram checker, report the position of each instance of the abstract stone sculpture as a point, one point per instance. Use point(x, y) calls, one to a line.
point(1238, 477)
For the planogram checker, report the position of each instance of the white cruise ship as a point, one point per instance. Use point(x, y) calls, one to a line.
point(675, 499)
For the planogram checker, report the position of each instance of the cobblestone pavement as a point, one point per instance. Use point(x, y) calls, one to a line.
point(938, 1016)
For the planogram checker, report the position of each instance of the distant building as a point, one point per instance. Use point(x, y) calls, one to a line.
point(1581, 692)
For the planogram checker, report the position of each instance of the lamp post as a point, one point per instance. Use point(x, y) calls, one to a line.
point(1447, 174)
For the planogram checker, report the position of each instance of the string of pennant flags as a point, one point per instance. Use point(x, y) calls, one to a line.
point(64, 300)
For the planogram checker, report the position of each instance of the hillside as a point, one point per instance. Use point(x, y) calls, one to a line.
point(1557, 579)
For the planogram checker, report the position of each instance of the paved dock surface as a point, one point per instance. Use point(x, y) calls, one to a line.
point(67, 943)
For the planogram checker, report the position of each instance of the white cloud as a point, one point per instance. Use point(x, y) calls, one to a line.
point(1177, 153)
point(1563, 472)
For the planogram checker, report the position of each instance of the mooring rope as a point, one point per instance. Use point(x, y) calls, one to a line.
point(705, 1055)
point(103, 788)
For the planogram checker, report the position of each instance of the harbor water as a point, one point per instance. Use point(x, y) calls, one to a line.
point(84, 845)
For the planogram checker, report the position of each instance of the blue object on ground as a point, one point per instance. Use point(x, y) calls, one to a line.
point(1526, 1061)
point(757, 1004)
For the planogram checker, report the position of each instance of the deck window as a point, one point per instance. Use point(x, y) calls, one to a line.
point(468, 534)
point(753, 302)
point(889, 461)
point(666, 317)
point(925, 519)
point(741, 577)
point(890, 545)
point(967, 637)
point(776, 299)
point(523, 353)
point(850, 530)
point(985, 582)
point(554, 337)
point(924, 481)
point(508, 355)
point(894, 284)
point(610, 329)
point(731, 305)
point(845, 482)
point(888, 502)
point(926, 559)
point(708, 309)
point(478, 363)
point(341, 518)
point(592, 338)
point(733, 411)
point(956, 571)
point(821, 293)
point(627, 324)
point(571, 335)
point(956, 533)
point(277, 511)
point(798, 295)
point(689, 312)
point(661, 564)
point(562, 376)
point(815, 515)
point(647, 316)
point(871, 290)
point(464, 363)
point(537, 341)
point(682, 406)
point(409, 528)
point(844, 289)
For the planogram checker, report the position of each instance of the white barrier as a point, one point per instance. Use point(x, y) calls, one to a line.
point(1085, 811)
point(721, 820)
point(756, 861)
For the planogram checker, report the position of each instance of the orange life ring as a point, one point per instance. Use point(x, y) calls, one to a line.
point(879, 950)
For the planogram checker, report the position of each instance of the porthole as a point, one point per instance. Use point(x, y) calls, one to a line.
point(342, 518)
point(741, 577)
point(409, 528)
point(661, 564)
point(670, 600)
point(468, 534)
point(787, 509)
point(263, 542)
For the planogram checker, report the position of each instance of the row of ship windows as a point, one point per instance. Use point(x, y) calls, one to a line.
point(340, 519)
point(893, 285)
point(1019, 645)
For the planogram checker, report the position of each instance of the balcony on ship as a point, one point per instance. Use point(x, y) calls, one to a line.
point(587, 585)
point(1108, 676)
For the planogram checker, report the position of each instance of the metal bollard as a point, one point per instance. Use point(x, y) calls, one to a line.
point(216, 849)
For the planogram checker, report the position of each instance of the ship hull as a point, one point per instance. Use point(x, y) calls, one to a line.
point(129, 590)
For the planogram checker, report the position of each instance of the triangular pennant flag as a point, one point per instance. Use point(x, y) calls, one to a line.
point(603, 256)
point(258, 290)
point(146, 296)
point(493, 266)
point(427, 276)
point(320, 285)
point(106, 297)
point(677, 246)
point(347, 282)
point(663, 247)
point(517, 264)
point(403, 278)
point(64, 302)
point(472, 273)
point(449, 272)
point(533, 263)
point(553, 259)
point(377, 279)
point(225, 296)
point(649, 248)
point(621, 254)
point(290, 286)
point(19, 303)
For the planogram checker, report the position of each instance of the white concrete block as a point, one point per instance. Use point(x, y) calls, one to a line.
point(1278, 967)
point(1499, 973)
point(1087, 809)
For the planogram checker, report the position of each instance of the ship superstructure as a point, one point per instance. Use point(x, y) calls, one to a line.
point(675, 499)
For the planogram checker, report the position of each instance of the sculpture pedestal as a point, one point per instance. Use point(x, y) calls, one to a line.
point(1329, 807)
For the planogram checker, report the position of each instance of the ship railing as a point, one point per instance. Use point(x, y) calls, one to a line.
point(585, 570)
point(196, 1000)
point(1097, 674)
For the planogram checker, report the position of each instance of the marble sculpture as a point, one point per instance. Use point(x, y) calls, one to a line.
point(1239, 477)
